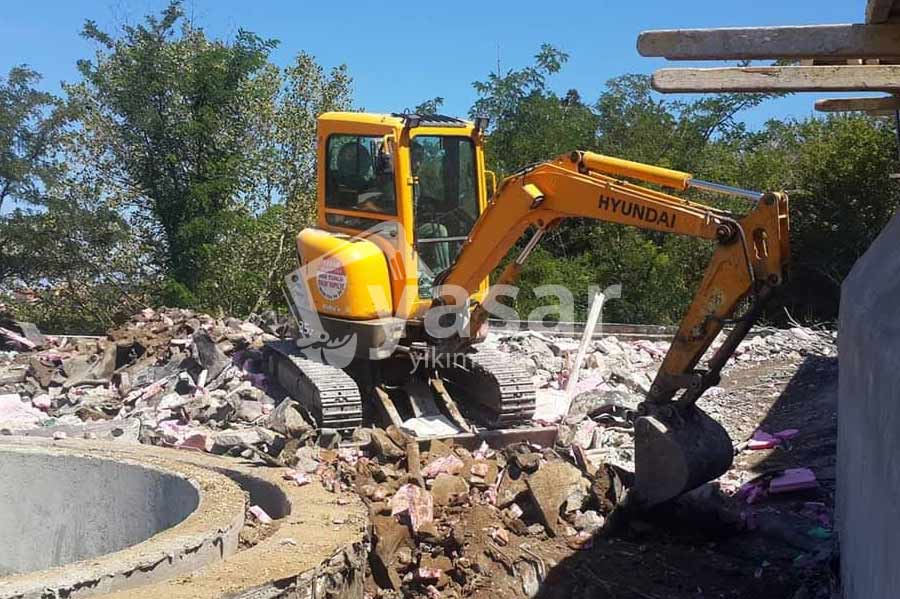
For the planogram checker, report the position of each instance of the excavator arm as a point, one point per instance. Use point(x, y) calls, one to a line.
point(749, 261)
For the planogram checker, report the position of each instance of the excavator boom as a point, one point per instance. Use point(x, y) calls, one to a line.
point(677, 446)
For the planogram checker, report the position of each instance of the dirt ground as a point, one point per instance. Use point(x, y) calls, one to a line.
point(712, 544)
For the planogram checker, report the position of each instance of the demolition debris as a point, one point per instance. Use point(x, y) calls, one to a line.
point(445, 520)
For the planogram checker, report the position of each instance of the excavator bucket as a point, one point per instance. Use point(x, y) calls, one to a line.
point(677, 453)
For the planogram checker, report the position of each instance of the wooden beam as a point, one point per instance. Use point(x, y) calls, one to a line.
point(881, 113)
point(879, 11)
point(761, 43)
point(853, 104)
point(819, 62)
point(779, 79)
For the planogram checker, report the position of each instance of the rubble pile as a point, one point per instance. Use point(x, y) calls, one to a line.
point(628, 366)
point(169, 377)
point(449, 522)
point(617, 373)
point(446, 521)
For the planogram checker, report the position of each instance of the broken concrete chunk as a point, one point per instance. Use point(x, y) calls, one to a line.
point(589, 521)
point(636, 381)
point(510, 490)
point(389, 536)
point(550, 488)
point(287, 420)
point(236, 437)
point(307, 459)
point(447, 488)
point(528, 462)
point(208, 355)
point(384, 446)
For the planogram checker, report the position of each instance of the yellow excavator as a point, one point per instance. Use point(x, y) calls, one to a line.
point(392, 293)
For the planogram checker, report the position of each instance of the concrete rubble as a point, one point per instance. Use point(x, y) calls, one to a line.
point(444, 520)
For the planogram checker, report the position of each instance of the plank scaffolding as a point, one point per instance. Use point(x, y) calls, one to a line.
point(841, 58)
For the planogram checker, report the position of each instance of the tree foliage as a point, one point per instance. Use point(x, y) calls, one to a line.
point(835, 170)
point(179, 168)
point(31, 122)
point(199, 153)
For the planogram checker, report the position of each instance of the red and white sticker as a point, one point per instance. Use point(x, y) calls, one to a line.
point(331, 278)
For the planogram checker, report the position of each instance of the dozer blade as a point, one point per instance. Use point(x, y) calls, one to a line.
point(674, 454)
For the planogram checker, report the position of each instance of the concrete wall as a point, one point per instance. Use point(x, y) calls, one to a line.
point(868, 500)
point(57, 509)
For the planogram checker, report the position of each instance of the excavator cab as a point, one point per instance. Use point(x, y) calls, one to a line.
point(400, 195)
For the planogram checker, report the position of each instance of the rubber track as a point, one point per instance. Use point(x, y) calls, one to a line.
point(329, 394)
point(493, 388)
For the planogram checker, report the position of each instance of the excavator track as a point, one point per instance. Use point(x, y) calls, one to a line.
point(327, 393)
point(491, 388)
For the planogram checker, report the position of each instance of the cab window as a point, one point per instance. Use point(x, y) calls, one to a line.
point(352, 180)
point(446, 201)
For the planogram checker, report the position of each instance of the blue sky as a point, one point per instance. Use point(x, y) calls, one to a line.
point(402, 52)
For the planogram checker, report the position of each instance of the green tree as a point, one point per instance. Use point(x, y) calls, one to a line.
point(173, 99)
point(31, 122)
point(219, 144)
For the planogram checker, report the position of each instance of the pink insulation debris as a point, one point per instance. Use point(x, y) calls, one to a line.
point(260, 514)
point(449, 464)
point(414, 501)
point(762, 440)
point(793, 479)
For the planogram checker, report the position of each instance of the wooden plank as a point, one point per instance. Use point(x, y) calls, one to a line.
point(779, 79)
point(854, 104)
point(760, 43)
point(819, 62)
point(881, 113)
point(879, 11)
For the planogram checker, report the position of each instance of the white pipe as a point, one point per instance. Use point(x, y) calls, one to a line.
point(586, 337)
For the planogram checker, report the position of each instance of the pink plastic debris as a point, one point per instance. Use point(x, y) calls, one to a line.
point(786, 434)
point(793, 479)
point(41, 402)
point(429, 573)
point(260, 514)
point(414, 501)
point(446, 465)
point(762, 440)
point(751, 492)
